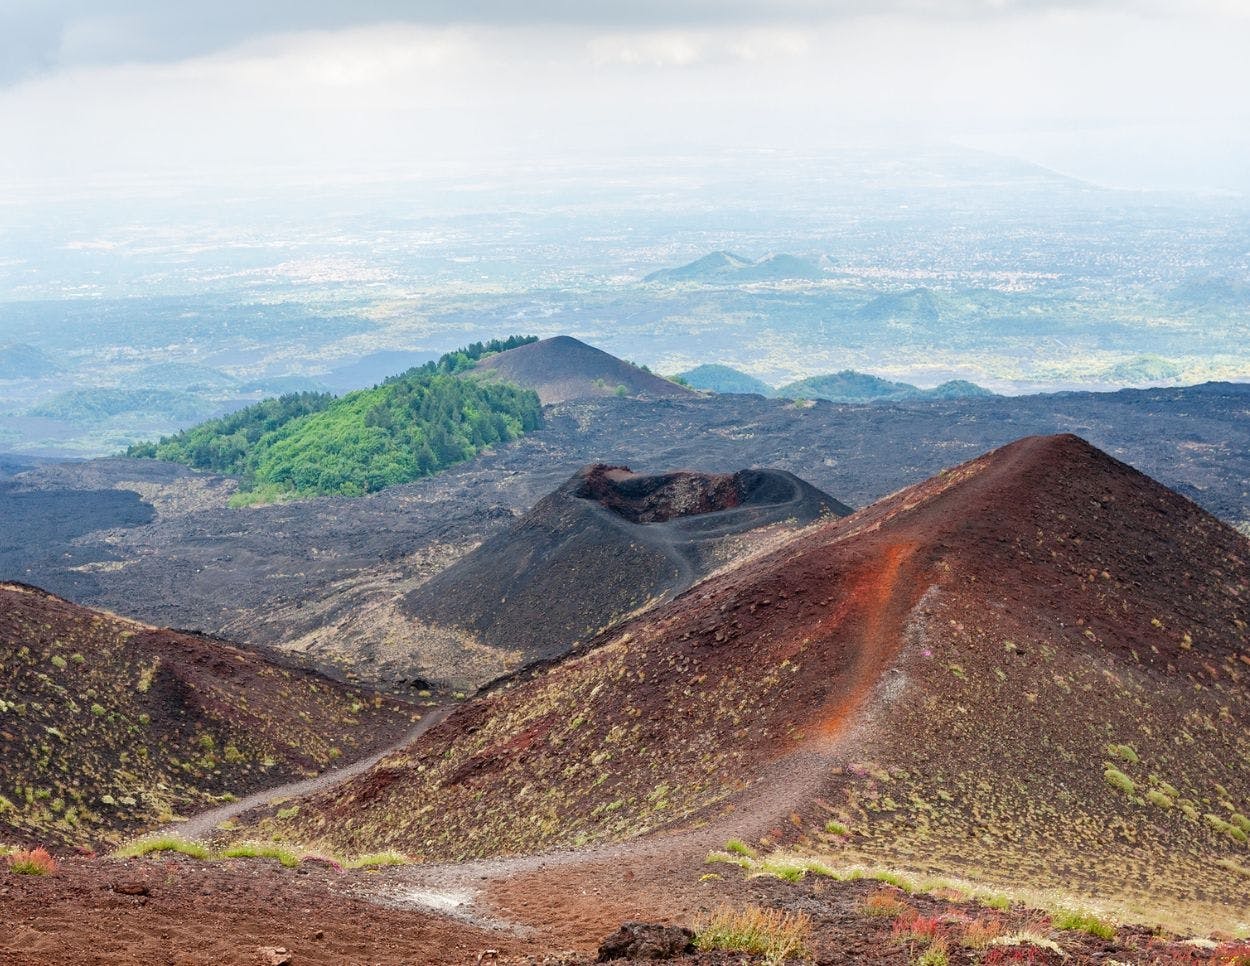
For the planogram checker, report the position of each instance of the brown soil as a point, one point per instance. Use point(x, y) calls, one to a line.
point(182, 912)
point(220, 914)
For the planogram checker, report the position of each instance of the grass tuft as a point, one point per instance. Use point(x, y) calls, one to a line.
point(1117, 779)
point(261, 850)
point(1086, 922)
point(770, 933)
point(375, 860)
point(739, 847)
point(163, 843)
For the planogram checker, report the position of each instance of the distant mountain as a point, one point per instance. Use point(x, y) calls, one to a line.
point(108, 725)
point(93, 405)
point(917, 305)
point(371, 369)
point(184, 376)
point(849, 386)
point(713, 377)
point(605, 545)
point(1143, 370)
point(21, 361)
point(731, 268)
point(563, 369)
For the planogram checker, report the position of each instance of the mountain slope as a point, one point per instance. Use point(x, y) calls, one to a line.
point(605, 545)
point(562, 369)
point(107, 725)
point(1028, 669)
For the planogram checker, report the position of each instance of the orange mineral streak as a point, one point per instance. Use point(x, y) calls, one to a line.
point(872, 628)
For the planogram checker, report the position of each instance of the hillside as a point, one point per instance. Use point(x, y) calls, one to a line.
point(1029, 670)
point(107, 725)
point(563, 369)
point(604, 546)
point(411, 425)
point(724, 379)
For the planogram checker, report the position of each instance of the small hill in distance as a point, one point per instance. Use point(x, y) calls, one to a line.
point(1144, 370)
point(918, 305)
point(108, 725)
point(22, 361)
point(97, 405)
point(728, 268)
point(606, 545)
point(717, 378)
point(847, 386)
point(563, 369)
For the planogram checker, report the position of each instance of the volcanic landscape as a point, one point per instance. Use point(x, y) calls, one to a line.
point(641, 679)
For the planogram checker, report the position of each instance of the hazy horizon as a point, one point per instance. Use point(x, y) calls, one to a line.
point(1139, 94)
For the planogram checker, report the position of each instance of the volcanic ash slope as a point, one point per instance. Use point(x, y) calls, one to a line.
point(1029, 669)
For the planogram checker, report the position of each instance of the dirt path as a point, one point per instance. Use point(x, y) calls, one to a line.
point(202, 824)
point(596, 887)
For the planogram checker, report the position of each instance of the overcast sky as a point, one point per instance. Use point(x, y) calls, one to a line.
point(1140, 93)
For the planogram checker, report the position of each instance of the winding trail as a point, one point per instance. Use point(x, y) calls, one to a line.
point(202, 824)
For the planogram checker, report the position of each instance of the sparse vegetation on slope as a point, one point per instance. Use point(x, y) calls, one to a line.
point(410, 426)
point(107, 726)
point(1085, 608)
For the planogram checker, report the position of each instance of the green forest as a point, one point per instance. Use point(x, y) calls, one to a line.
point(409, 426)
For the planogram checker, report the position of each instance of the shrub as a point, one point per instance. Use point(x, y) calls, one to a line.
point(927, 929)
point(980, 933)
point(883, 904)
point(1117, 779)
point(163, 843)
point(1085, 922)
point(37, 861)
point(261, 850)
point(935, 955)
point(374, 860)
point(771, 933)
point(1228, 828)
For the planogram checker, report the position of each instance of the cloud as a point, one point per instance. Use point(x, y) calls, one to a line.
point(37, 36)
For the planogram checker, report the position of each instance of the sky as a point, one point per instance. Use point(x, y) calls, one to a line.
point(1142, 94)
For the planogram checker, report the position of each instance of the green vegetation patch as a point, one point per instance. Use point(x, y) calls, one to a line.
point(410, 426)
point(163, 843)
point(1086, 922)
point(261, 850)
point(772, 934)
